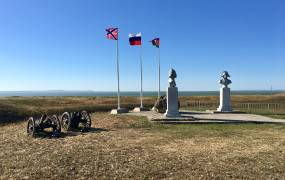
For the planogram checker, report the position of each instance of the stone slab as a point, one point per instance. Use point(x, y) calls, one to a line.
point(154, 116)
point(225, 112)
point(140, 109)
point(119, 111)
point(197, 117)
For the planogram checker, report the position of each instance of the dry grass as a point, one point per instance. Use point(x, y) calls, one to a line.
point(278, 98)
point(15, 108)
point(125, 147)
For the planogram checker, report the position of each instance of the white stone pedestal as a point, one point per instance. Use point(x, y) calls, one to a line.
point(225, 100)
point(140, 109)
point(119, 111)
point(172, 102)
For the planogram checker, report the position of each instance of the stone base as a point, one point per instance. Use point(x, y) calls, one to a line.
point(119, 111)
point(224, 109)
point(225, 100)
point(224, 112)
point(172, 114)
point(158, 110)
point(172, 102)
point(199, 117)
point(139, 109)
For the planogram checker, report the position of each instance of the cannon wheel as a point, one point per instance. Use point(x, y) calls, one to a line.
point(66, 121)
point(86, 116)
point(56, 123)
point(31, 129)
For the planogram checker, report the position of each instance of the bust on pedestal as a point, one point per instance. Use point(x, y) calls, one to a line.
point(172, 96)
point(225, 93)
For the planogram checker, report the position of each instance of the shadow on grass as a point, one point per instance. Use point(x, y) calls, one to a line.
point(74, 132)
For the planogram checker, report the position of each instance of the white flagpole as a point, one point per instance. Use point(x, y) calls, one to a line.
point(118, 74)
point(158, 72)
point(141, 93)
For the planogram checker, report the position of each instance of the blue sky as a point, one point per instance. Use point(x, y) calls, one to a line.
point(61, 44)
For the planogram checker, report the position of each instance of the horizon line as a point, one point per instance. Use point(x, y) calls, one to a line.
point(135, 91)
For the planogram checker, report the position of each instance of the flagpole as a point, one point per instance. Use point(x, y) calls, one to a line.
point(158, 72)
point(118, 75)
point(141, 93)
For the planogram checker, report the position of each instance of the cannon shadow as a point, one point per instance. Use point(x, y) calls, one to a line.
point(73, 132)
point(76, 132)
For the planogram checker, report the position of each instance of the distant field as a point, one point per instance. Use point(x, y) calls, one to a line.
point(127, 93)
point(15, 108)
point(126, 147)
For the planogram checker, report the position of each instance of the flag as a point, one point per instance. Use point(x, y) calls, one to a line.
point(135, 40)
point(112, 33)
point(155, 42)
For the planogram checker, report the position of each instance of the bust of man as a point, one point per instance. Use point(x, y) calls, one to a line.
point(172, 76)
point(224, 79)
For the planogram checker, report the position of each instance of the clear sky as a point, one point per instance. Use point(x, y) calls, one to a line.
point(61, 44)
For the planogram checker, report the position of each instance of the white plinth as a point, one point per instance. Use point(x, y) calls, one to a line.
point(140, 109)
point(172, 102)
point(225, 100)
point(119, 111)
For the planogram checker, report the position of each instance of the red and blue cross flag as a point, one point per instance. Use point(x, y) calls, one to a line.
point(135, 40)
point(155, 42)
point(112, 33)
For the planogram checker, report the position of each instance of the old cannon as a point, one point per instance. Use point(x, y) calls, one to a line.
point(36, 126)
point(160, 105)
point(76, 120)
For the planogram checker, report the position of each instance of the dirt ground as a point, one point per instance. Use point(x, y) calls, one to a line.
point(126, 147)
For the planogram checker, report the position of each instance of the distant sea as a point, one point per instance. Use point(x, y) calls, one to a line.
point(125, 93)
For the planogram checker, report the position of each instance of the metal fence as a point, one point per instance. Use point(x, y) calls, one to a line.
point(252, 107)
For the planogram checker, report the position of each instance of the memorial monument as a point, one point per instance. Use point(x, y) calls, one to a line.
point(172, 96)
point(160, 105)
point(225, 94)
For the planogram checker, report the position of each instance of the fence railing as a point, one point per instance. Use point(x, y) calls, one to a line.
point(268, 107)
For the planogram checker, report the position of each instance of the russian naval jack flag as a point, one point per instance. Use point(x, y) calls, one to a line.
point(135, 40)
point(112, 33)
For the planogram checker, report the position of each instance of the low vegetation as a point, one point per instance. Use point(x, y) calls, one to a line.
point(15, 108)
point(126, 147)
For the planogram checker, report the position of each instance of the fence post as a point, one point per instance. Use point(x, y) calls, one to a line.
point(248, 106)
point(275, 108)
point(199, 105)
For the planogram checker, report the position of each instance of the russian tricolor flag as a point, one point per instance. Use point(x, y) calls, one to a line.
point(135, 40)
